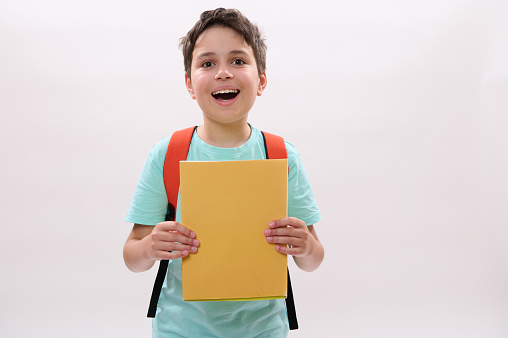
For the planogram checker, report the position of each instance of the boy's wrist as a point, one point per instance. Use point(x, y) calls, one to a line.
point(147, 251)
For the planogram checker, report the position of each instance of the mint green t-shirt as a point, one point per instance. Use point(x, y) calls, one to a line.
point(177, 318)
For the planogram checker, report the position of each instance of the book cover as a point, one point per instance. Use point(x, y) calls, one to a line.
point(228, 204)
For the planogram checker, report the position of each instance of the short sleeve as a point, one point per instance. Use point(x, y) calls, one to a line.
point(150, 202)
point(301, 202)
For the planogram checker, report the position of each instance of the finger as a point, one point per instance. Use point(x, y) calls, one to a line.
point(286, 231)
point(292, 241)
point(172, 251)
point(287, 221)
point(174, 226)
point(174, 237)
point(171, 255)
point(174, 232)
point(289, 251)
point(168, 246)
point(289, 232)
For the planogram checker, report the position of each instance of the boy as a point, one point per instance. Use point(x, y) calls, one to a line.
point(224, 57)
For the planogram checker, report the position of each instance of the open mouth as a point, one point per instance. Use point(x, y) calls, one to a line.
point(225, 94)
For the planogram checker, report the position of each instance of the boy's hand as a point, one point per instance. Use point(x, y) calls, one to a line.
point(291, 232)
point(298, 240)
point(171, 240)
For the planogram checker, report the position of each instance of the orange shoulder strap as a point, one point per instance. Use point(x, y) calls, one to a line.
point(275, 147)
point(178, 150)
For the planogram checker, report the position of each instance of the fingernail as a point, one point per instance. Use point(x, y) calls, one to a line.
point(185, 253)
point(269, 239)
point(195, 242)
point(193, 234)
point(194, 249)
point(271, 224)
point(267, 232)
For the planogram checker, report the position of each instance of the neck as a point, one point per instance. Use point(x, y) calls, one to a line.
point(225, 136)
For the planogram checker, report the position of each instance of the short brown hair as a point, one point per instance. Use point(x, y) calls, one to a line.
point(231, 18)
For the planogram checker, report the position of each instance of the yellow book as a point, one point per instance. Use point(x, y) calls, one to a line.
point(228, 205)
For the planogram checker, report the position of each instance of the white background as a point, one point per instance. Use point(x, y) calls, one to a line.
point(399, 109)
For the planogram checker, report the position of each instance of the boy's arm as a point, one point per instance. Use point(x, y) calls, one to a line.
point(147, 244)
point(299, 240)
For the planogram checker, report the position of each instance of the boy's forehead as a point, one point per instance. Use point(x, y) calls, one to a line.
point(219, 38)
point(216, 29)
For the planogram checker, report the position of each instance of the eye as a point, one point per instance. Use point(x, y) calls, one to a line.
point(238, 62)
point(207, 64)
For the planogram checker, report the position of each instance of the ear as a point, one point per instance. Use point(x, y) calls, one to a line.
point(262, 83)
point(188, 84)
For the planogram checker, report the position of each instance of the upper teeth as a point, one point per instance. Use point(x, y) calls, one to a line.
point(225, 91)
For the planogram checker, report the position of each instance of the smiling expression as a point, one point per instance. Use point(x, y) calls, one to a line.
point(224, 78)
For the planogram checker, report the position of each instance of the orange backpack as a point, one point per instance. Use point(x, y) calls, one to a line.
point(178, 149)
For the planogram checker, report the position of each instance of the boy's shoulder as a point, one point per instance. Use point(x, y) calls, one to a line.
point(158, 152)
point(162, 143)
point(293, 153)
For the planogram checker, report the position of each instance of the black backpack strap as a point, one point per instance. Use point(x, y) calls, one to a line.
point(161, 274)
point(290, 307)
point(157, 287)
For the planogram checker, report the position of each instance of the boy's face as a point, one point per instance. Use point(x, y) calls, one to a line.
point(224, 78)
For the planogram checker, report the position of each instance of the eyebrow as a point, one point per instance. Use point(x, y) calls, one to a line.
point(238, 51)
point(233, 52)
point(205, 55)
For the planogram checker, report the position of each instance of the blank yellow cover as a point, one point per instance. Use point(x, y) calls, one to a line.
point(228, 205)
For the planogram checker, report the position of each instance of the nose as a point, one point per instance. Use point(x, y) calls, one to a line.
point(223, 73)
